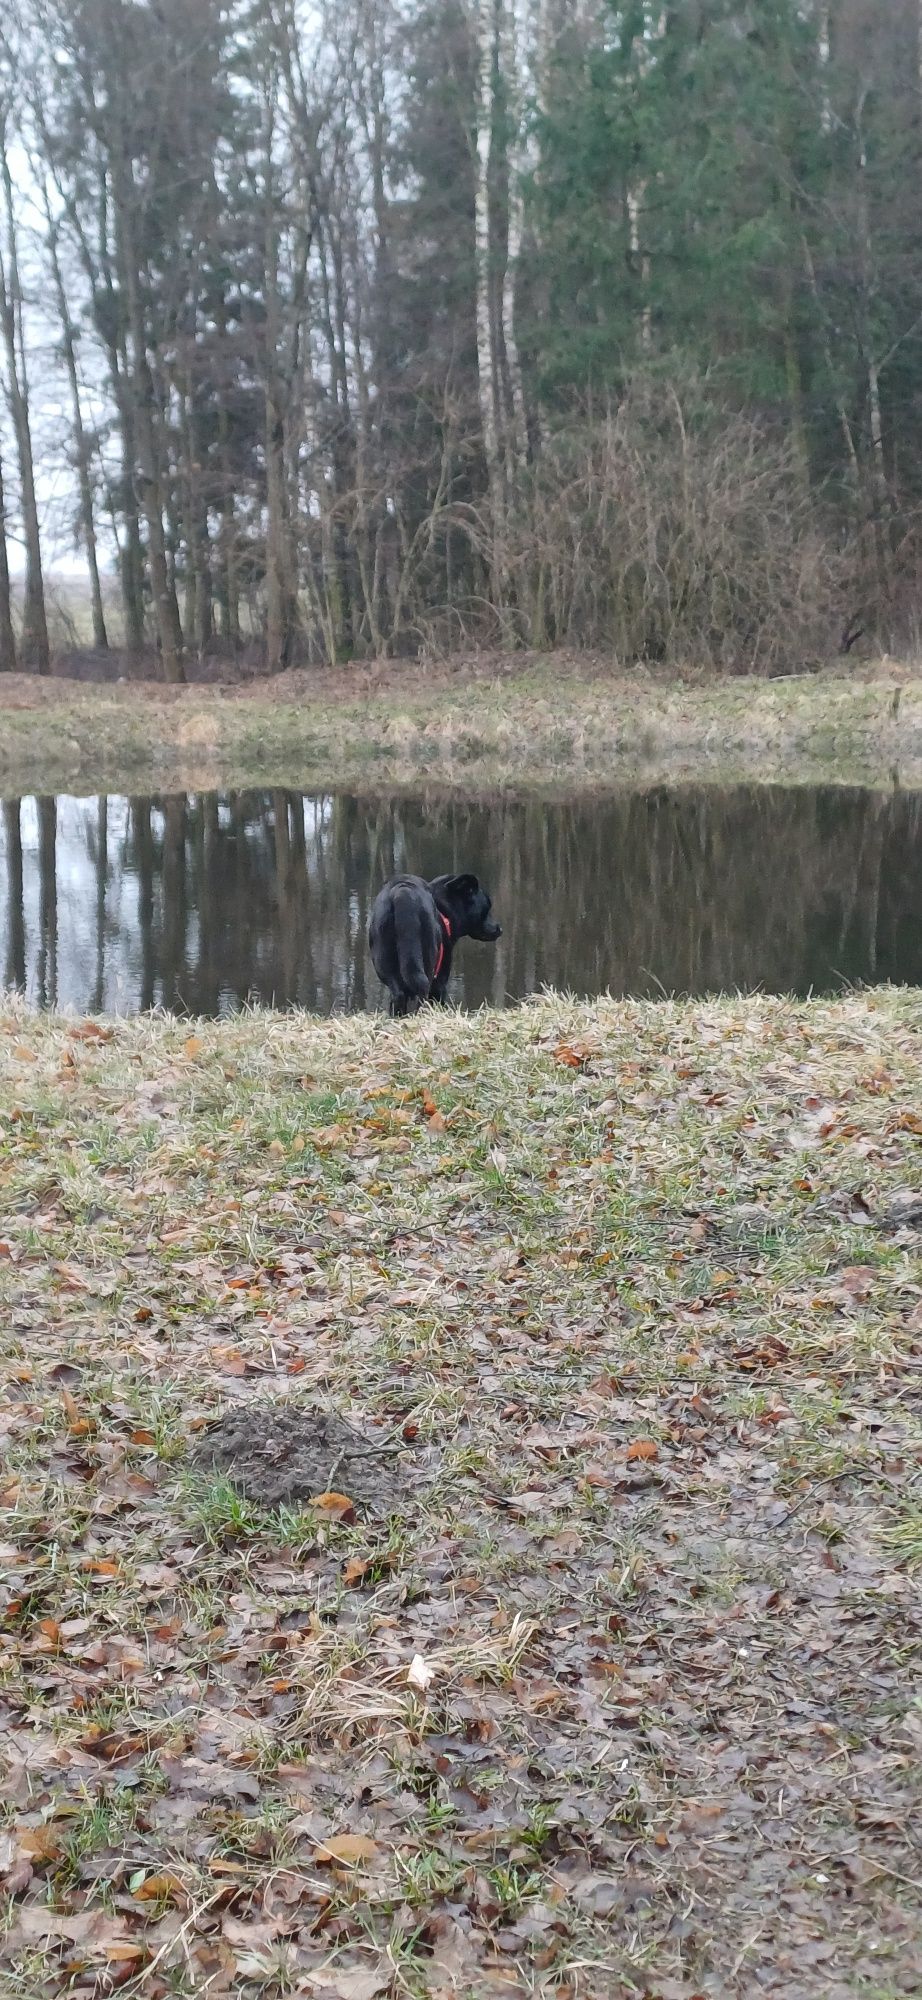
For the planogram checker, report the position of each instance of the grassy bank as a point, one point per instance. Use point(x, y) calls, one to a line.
point(606, 1685)
point(547, 722)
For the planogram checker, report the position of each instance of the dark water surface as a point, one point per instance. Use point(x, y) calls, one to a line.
point(206, 901)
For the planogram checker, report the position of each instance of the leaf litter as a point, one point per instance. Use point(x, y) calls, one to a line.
point(566, 1637)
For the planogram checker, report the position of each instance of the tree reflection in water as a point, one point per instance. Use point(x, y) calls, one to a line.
point(207, 901)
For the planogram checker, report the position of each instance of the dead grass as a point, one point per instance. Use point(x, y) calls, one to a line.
point(480, 723)
point(622, 1696)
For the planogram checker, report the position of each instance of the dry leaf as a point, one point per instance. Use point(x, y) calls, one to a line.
point(351, 1849)
point(420, 1675)
point(643, 1448)
point(193, 1046)
point(338, 1505)
point(40, 1843)
point(574, 1055)
point(165, 1888)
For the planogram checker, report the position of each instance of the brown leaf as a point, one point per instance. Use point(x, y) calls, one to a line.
point(250, 1937)
point(40, 1843)
point(192, 1046)
point(767, 1355)
point(164, 1887)
point(356, 1568)
point(574, 1055)
point(338, 1505)
point(90, 1031)
point(17, 1877)
point(355, 1983)
point(642, 1448)
point(78, 1425)
point(350, 1849)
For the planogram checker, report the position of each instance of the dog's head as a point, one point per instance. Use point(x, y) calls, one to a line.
point(468, 904)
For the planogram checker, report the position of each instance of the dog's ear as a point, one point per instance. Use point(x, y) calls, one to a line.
point(465, 886)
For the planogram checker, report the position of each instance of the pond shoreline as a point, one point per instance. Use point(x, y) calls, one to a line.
point(546, 724)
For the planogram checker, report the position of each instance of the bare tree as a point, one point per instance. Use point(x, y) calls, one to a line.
point(83, 450)
point(34, 649)
point(7, 635)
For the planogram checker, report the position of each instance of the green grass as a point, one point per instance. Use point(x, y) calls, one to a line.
point(543, 723)
point(656, 1535)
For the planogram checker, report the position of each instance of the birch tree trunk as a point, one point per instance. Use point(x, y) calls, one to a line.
point(879, 486)
point(635, 201)
point(516, 428)
point(7, 636)
point(486, 340)
point(823, 48)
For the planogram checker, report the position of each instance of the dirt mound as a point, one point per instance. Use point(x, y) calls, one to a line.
point(282, 1453)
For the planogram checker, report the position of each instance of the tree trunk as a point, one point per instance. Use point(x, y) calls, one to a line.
point(7, 635)
point(143, 403)
point(229, 584)
point(35, 649)
point(81, 441)
point(516, 443)
point(278, 578)
point(486, 345)
point(868, 291)
point(822, 56)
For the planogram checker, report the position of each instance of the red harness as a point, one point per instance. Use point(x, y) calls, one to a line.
point(440, 956)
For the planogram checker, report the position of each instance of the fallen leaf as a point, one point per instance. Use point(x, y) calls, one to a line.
point(354, 1983)
point(420, 1675)
point(338, 1505)
point(574, 1055)
point(351, 1849)
point(40, 1843)
point(193, 1046)
point(643, 1448)
point(164, 1887)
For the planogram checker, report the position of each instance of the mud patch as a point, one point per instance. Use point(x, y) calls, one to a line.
point(283, 1453)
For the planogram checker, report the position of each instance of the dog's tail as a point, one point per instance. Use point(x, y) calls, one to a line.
point(408, 936)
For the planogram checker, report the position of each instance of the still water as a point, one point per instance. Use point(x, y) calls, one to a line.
point(207, 901)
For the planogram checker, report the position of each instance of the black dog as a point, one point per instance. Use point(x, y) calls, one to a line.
point(414, 927)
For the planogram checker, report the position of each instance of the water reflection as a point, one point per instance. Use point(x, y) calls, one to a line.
point(207, 901)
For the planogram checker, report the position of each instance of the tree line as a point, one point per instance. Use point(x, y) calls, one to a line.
point(388, 326)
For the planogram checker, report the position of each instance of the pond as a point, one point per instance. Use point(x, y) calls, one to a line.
point(207, 901)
